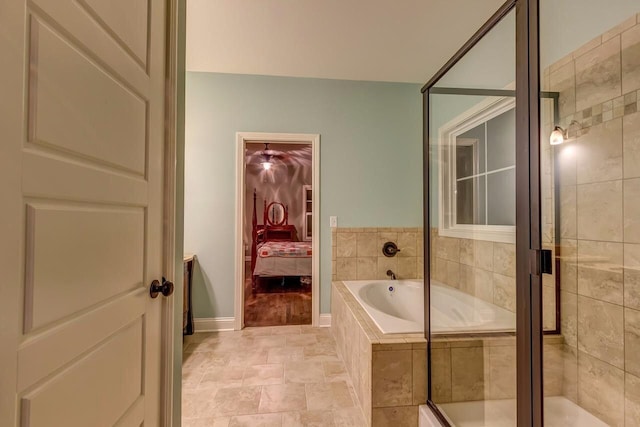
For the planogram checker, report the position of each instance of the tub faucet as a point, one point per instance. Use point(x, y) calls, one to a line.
point(391, 274)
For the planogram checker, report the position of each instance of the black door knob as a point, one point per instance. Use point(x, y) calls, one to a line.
point(166, 288)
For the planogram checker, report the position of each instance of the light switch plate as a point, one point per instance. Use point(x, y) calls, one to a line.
point(333, 221)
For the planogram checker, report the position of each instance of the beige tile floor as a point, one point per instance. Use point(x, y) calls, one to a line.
point(271, 376)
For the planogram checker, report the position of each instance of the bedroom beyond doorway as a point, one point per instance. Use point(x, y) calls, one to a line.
point(277, 232)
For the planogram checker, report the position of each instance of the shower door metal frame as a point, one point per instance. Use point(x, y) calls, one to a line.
point(529, 330)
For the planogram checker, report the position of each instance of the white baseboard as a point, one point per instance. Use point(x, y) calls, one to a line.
point(213, 324)
point(325, 320)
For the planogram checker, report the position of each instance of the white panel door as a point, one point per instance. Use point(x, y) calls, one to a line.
point(81, 140)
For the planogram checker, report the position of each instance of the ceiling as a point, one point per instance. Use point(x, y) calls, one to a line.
point(376, 40)
point(288, 154)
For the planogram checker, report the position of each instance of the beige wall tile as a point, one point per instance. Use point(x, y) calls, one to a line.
point(563, 80)
point(441, 375)
point(367, 268)
point(420, 244)
point(567, 163)
point(420, 267)
point(483, 281)
point(601, 389)
point(384, 264)
point(601, 330)
point(599, 154)
point(570, 373)
point(618, 29)
point(440, 270)
point(632, 276)
point(631, 145)
point(466, 282)
point(587, 47)
point(449, 248)
point(453, 274)
point(346, 245)
point(632, 210)
point(387, 236)
point(568, 211)
point(631, 59)
point(569, 265)
point(407, 268)
point(631, 400)
point(467, 374)
point(483, 254)
point(598, 74)
point(367, 245)
point(569, 318)
point(553, 369)
point(502, 372)
point(346, 269)
point(504, 291)
point(392, 378)
point(419, 377)
point(466, 252)
point(632, 341)
point(504, 259)
point(395, 416)
point(600, 270)
point(407, 244)
point(600, 211)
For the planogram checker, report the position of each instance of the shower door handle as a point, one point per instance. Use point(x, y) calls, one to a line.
point(540, 262)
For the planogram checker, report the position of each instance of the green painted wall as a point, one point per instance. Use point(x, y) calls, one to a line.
point(370, 174)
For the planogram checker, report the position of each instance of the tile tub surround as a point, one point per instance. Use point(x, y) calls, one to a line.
point(388, 371)
point(599, 186)
point(271, 376)
point(357, 253)
point(485, 270)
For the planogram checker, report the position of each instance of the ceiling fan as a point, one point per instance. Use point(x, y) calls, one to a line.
point(266, 157)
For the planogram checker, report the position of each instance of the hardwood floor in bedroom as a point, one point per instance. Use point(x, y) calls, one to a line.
point(283, 376)
point(276, 304)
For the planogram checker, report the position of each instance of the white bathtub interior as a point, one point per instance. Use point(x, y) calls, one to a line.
point(397, 306)
point(558, 411)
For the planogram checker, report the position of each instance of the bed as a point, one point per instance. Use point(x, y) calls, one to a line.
point(275, 249)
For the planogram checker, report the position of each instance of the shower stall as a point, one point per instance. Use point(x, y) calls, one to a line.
point(532, 190)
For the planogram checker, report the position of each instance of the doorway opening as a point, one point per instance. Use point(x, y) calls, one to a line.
point(277, 268)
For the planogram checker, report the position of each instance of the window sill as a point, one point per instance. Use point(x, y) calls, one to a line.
point(504, 234)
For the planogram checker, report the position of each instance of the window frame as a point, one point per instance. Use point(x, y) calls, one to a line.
point(447, 226)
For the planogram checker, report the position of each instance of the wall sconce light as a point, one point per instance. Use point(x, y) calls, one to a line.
point(267, 165)
point(557, 136)
point(560, 135)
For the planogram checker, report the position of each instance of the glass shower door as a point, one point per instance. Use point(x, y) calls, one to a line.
point(472, 225)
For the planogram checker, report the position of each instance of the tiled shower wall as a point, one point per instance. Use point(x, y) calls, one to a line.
point(599, 201)
point(357, 253)
point(486, 270)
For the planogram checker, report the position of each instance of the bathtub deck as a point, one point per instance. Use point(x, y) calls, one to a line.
point(559, 412)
